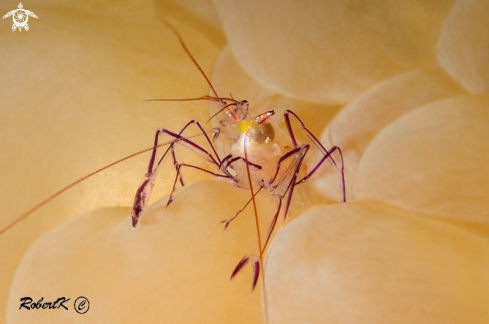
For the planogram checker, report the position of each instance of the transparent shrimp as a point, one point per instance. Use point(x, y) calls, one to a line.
point(248, 150)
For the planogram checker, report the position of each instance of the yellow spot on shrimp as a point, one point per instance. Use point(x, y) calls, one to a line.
point(245, 125)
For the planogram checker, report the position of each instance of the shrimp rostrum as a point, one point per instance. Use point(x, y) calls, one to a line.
point(249, 150)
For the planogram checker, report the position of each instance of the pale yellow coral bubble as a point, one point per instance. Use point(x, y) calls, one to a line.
point(173, 268)
point(367, 262)
point(330, 51)
point(432, 160)
point(72, 102)
point(463, 48)
point(361, 120)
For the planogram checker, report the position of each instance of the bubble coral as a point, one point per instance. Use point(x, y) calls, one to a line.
point(409, 83)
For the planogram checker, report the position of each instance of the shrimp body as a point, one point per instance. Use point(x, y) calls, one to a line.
point(263, 141)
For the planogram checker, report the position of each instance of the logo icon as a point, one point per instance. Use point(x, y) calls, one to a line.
point(20, 17)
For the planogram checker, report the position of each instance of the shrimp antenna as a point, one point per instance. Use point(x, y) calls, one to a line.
point(223, 100)
point(189, 54)
point(71, 185)
point(220, 110)
point(261, 248)
point(210, 98)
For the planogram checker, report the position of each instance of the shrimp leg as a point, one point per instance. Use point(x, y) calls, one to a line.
point(327, 154)
point(145, 189)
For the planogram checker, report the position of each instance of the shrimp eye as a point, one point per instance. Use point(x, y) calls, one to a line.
point(241, 110)
point(265, 133)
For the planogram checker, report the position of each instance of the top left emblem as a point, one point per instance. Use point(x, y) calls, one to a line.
point(20, 17)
